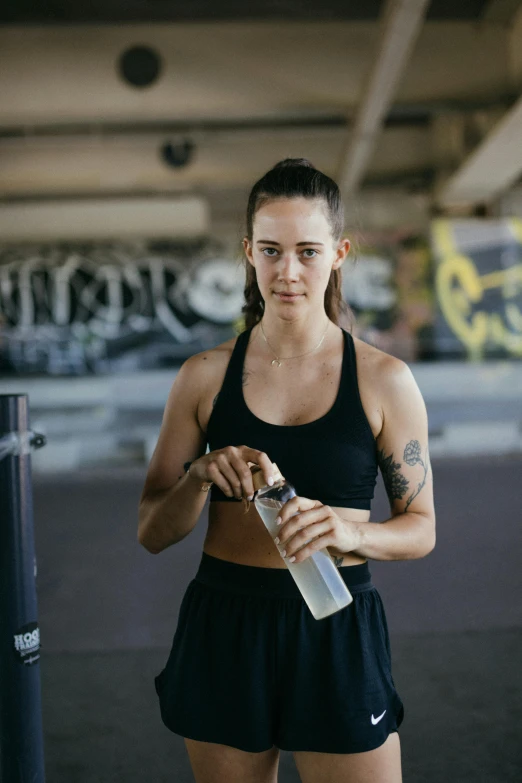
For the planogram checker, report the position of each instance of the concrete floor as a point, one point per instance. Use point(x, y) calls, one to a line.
point(108, 611)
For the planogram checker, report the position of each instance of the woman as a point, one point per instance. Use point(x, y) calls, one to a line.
point(251, 671)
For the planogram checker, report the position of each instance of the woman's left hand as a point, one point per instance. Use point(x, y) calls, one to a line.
point(308, 526)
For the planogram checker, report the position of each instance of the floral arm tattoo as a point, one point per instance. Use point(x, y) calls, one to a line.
point(397, 485)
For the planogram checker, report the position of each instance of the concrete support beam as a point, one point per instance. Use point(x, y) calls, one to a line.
point(400, 26)
point(500, 11)
point(491, 168)
point(515, 49)
point(186, 217)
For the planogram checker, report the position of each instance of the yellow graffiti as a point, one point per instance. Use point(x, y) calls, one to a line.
point(460, 289)
point(506, 279)
point(455, 302)
point(516, 227)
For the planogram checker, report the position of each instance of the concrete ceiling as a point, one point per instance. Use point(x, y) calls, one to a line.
point(249, 87)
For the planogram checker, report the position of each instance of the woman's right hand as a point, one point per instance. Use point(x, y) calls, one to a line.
point(229, 470)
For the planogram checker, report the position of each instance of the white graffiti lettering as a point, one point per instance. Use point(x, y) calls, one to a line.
point(75, 305)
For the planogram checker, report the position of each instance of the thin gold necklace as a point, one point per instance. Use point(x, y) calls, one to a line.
point(277, 361)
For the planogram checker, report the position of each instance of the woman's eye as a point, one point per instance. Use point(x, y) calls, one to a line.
point(271, 252)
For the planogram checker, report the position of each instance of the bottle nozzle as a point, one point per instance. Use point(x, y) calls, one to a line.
point(258, 477)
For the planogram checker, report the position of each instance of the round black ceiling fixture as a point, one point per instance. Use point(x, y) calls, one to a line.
point(140, 66)
point(179, 155)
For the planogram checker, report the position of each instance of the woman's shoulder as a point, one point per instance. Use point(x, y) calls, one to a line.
point(374, 361)
point(206, 371)
point(382, 378)
point(208, 367)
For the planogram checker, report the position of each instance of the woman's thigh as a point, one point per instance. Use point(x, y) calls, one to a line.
point(381, 765)
point(213, 763)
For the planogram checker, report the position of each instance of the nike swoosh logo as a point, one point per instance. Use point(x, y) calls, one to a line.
point(376, 720)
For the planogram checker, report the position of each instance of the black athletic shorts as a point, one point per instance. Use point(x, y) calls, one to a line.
point(250, 667)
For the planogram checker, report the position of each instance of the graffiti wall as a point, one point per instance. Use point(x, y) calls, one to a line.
point(99, 308)
point(478, 281)
point(77, 309)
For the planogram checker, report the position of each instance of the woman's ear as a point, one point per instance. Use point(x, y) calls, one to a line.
point(247, 247)
point(343, 248)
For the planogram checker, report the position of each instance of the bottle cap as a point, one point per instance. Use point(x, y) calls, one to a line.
point(258, 477)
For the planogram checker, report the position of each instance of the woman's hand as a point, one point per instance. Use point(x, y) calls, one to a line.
point(307, 526)
point(229, 469)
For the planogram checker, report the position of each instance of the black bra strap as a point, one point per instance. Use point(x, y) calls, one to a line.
point(232, 380)
point(351, 380)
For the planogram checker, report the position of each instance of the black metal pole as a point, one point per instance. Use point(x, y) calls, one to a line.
point(21, 736)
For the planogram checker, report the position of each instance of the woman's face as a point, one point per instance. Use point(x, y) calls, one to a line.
point(293, 252)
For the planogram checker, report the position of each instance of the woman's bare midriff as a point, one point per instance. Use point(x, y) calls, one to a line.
point(242, 537)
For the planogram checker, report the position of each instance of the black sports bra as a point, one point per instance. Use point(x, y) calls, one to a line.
point(332, 459)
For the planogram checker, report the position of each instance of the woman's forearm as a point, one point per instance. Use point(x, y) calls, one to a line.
point(403, 537)
point(168, 515)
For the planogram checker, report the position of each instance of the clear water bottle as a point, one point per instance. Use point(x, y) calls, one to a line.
point(317, 577)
